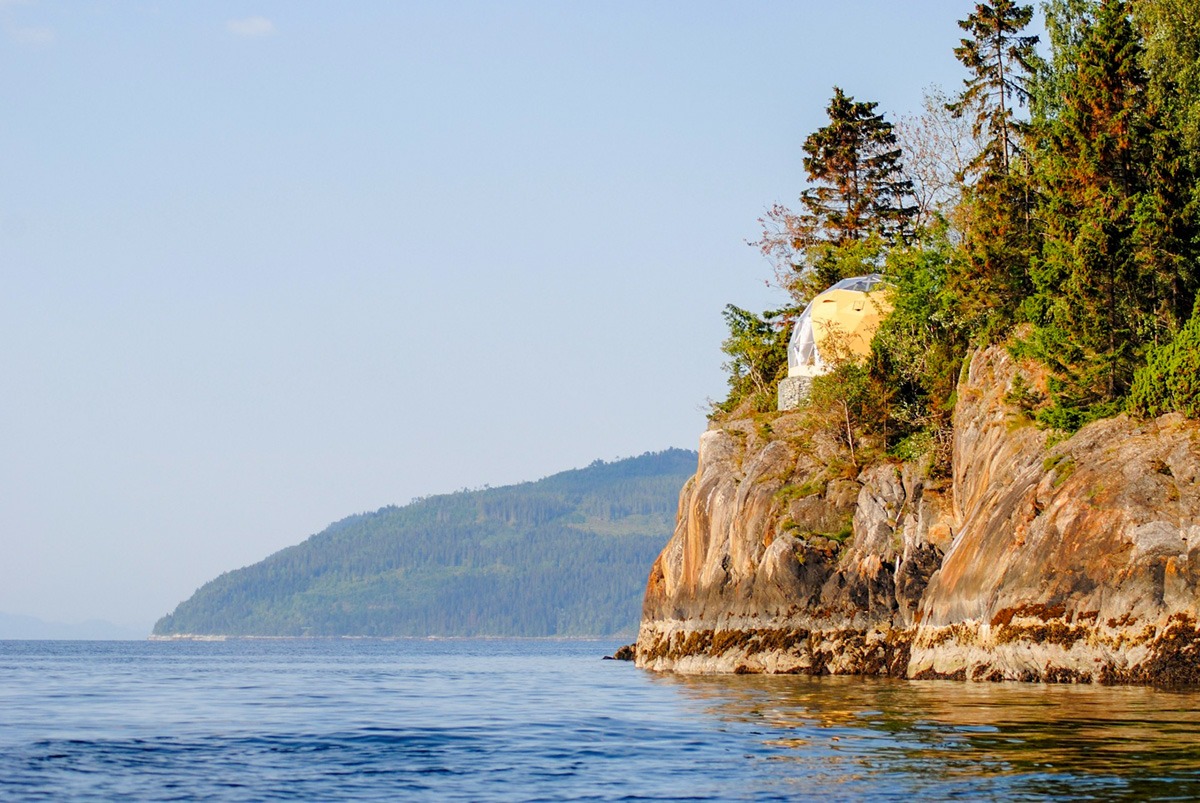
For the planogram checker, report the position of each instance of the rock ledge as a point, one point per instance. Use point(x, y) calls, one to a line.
point(1072, 562)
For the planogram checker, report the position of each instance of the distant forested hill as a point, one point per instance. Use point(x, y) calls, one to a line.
point(564, 556)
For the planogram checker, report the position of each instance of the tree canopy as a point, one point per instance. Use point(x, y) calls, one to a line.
point(1068, 228)
point(564, 556)
point(858, 199)
point(1001, 62)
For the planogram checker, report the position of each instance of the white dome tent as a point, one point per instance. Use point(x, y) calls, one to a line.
point(843, 318)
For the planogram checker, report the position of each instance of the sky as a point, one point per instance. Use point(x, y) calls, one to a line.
point(264, 265)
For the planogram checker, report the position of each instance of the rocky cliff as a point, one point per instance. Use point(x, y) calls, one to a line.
point(1070, 561)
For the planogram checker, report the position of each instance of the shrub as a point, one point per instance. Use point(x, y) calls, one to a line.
point(757, 349)
point(1170, 379)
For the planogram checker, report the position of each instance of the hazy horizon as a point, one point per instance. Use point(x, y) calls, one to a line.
point(270, 265)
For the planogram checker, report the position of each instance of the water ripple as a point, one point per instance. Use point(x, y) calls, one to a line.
point(523, 720)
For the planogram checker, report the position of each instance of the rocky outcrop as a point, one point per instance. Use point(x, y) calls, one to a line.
point(1072, 561)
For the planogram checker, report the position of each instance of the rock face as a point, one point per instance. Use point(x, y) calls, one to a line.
point(1075, 561)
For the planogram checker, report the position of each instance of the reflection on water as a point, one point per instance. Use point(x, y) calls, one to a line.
point(547, 720)
point(951, 739)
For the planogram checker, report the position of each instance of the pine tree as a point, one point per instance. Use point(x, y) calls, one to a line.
point(1097, 289)
point(854, 166)
point(1000, 229)
point(858, 202)
point(1001, 63)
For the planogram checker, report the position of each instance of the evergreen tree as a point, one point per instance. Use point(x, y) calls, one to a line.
point(1001, 62)
point(1170, 30)
point(757, 350)
point(917, 353)
point(1001, 236)
point(999, 225)
point(857, 203)
point(1098, 289)
point(1170, 379)
point(853, 164)
point(1067, 22)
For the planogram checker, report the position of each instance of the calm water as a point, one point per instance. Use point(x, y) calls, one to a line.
point(548, 720)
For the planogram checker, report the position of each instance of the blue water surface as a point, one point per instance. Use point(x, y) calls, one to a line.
point(548, 720)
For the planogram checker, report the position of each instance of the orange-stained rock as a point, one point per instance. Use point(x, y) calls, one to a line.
point(1078, 561)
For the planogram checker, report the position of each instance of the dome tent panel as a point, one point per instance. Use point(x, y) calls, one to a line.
point(846, 317)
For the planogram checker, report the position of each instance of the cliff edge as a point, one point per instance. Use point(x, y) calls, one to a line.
point(1075, 561)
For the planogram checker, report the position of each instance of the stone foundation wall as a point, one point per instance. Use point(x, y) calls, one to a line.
point(793, 392)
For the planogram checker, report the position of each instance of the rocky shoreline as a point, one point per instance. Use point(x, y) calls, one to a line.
point(1076, 561)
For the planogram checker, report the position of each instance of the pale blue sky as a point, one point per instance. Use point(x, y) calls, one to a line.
point(267, 264)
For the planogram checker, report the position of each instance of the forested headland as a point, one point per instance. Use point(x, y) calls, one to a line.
point(1049, 204)
point(564, 556)
point(1004, 485)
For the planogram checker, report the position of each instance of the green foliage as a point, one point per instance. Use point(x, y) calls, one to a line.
point(789, 493)
point(1001, 62)
point(858, 201)
point(843, 401)
point(567, 555)
point(843, 533)
point(1079, 228)
point(757, 350)
point(1170, 380)
point(1109, 278)
point(918, 350)
point(1063, 466)
point(1052, 461)
point(992, 278)
point(830, 262)
point(853, 164)
point(1069, 413)
point(1023, 396)
point(913, 446)
point(1171, 31)
point(1170, 218)
point(1066, 25)
point(920, 345)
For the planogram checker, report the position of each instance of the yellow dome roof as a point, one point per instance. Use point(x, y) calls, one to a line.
point(839, 322)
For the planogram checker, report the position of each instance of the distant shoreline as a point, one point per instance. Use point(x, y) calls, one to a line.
point(218, 637)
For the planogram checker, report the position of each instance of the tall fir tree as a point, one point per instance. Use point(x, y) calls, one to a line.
point(1000, 230)
point(1001, 62)
point(858, 201)
point(1102, 277)
point(858, 184)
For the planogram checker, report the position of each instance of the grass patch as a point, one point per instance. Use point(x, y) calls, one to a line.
point(791, 492)
point(1063, 466)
